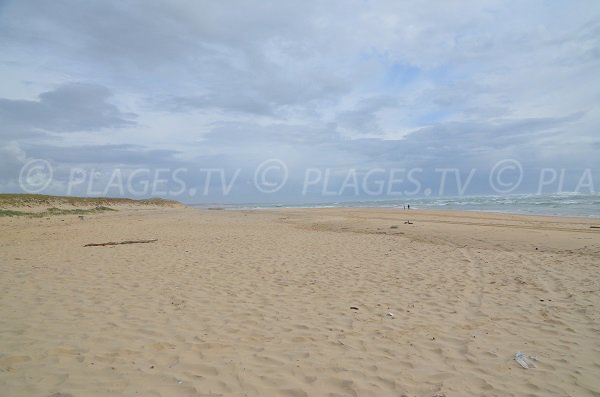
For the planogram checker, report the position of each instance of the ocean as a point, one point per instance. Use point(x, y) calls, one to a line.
point(563, 204)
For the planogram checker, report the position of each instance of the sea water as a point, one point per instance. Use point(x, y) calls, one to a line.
point(562, 204)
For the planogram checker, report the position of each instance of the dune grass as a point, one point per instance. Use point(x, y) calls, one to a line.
point(13, 204)
point(55, 211)
point(11, 199)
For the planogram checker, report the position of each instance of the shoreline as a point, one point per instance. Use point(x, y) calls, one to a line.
point(395, 210)
point(579, 205)
point(458, 211)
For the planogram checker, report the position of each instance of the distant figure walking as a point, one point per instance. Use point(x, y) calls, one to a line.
point(408, 206)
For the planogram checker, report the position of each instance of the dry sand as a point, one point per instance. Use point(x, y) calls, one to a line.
point(259, 303)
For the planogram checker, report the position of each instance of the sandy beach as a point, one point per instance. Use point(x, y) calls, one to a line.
point(299, 302)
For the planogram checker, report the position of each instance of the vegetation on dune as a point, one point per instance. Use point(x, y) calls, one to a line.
point(15, 200)
point(12, 204)
point(13, 213)
point(55, 211)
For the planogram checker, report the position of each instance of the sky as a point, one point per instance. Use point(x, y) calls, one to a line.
point(292, 101)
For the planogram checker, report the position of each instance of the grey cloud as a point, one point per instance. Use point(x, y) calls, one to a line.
point(229, 57)
point(261, 88)
point(363, 117)
point(579, 46)
point(68, 108)
point(240, 102)
point(109, 32)
point(251, 58)
point(231, 84)
point(124, 154)
point(453, 144)
point(69, 161)
point(363, 122)
point(449, 142)
point(148, 35)
point(12, 158)
point(248, 135)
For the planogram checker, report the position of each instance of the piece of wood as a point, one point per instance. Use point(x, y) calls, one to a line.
point(120, 242)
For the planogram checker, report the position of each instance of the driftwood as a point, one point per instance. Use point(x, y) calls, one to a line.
point(120, 242)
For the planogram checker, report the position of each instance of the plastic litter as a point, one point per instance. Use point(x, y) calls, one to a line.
point(523, 360)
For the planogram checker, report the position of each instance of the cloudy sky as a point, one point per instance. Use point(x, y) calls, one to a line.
point(329, 89)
